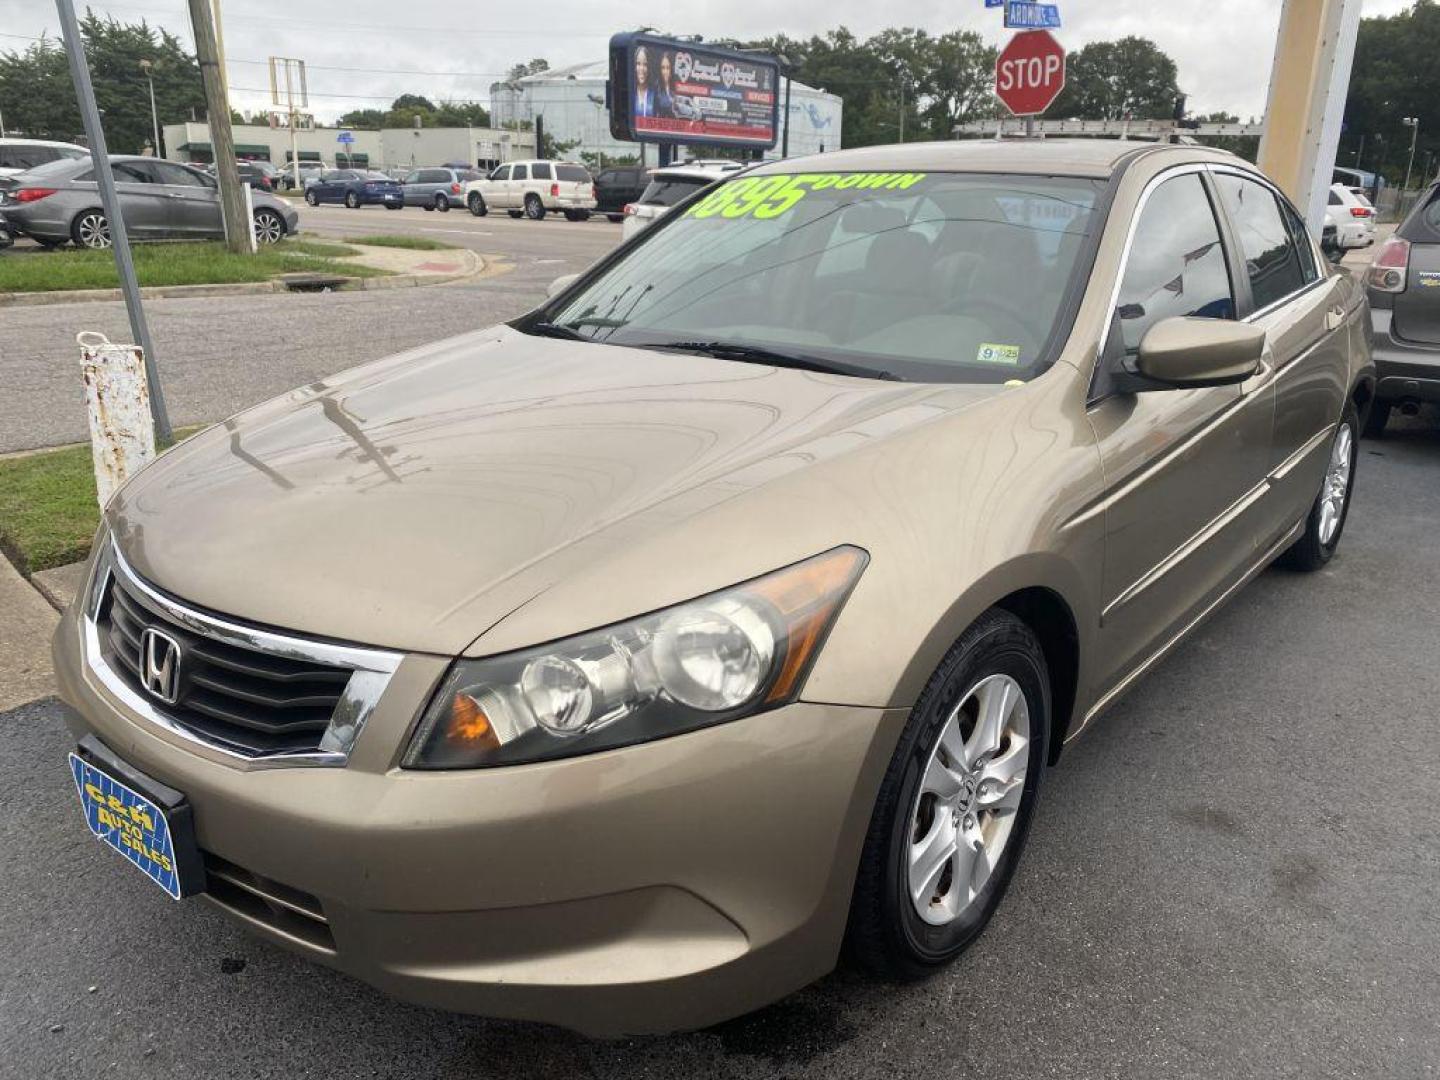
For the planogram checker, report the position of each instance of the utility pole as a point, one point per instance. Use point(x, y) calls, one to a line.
point(1413, 123)
point(115, 220)
point(222, 146)
point(146, 66)
point(902, 108)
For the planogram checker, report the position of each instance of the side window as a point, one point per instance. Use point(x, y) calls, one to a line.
point(1309, 271)
point(609, 176)
point(1272, 260)
point(522, 172)
point(1176, 264)
point(131, 172)
point(413, 178)
point(1335, 199)
point(540, 171)
point(175, 174)
point(501, 173)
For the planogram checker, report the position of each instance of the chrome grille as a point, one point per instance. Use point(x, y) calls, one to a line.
point(252, 693)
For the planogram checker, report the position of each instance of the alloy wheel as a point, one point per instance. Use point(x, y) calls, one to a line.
point(93, 230)
point(269, 229)
point(970, 792)
point(1337, 484)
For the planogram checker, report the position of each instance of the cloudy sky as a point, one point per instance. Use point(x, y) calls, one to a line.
point(377, 49)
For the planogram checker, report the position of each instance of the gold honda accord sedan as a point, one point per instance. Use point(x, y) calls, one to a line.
point(617, 666)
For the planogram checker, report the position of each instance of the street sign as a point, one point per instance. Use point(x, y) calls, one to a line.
point(1030, 72)
point(994, 3)
point(1022, 15)
point(345, 137)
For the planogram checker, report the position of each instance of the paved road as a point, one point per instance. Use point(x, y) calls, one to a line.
point(222, 354)
point(1233, 876)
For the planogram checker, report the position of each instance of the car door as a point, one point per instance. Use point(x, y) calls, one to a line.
point(143, 202)
point(516, 185)
point(496, 187)
point(332, 186)
point(193, 207)
point(1182, 467)
point(1308, 318)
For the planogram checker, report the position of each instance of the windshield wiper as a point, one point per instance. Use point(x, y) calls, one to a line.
point(761, 354)
point(555, 330)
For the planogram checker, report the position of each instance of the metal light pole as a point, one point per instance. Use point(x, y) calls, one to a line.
point(110, 200)
point(1413, 123)
point(146, 66)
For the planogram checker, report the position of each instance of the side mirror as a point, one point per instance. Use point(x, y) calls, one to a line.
point(560, 284)
point(1183, 352)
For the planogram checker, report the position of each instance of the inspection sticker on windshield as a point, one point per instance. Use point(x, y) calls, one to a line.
point(771, 196)
point(998, 354)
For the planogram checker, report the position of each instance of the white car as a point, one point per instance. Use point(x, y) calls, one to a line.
point(1354, 217)
point(22, 155)
point(669, 186)
point(534, 189)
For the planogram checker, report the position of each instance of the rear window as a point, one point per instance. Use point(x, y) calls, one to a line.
point(573, 173)
point(58, 165)
point(671, 191)
point(1423, 223)
point(26, 157)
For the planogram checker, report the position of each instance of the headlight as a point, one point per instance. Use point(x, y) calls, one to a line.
point(718, 658)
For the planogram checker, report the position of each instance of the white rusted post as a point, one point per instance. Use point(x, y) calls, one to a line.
point(250, 216)
point(117, 397)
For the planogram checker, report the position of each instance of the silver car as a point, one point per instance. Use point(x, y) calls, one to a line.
point(161, 200)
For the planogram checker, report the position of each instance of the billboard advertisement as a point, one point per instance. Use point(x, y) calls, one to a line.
point(663, 90)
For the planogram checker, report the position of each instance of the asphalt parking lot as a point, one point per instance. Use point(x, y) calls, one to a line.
point(1234, 875)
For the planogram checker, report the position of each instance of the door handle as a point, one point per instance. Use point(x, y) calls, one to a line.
point(1333, 318)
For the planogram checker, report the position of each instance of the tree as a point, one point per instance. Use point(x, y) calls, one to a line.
point(406, 107)
point(1391, 79)
point(38, 97)
point(534, 67)
point(1109, 80)
point(1247, 146)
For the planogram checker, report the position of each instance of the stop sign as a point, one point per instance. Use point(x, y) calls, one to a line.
point(1030, 72)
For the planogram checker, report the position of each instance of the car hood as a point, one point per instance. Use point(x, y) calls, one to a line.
point(415, 502)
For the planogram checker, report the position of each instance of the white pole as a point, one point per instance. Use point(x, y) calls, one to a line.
point(117, 399)
point(250, 217)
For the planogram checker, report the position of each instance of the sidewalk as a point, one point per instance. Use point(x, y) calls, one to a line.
point(26, 623)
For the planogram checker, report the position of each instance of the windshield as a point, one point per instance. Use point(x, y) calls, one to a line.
point(670, 190)
point(951, 277)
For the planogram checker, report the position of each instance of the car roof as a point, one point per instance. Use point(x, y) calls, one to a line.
point(1069, 157)
point(8, 141)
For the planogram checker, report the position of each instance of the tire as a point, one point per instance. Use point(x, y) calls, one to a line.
point(514, 213)
point(534, 208)
point(577, 215)
point(1326, 520)
point(269, 227)
point(442, 202)
point(615, 218)
point(90, 230)
point(312, 198)
point(429, 208)
point(352, 200)
point(1377, 418)
point(476, 204)
point(997, 661)
point(392, 206)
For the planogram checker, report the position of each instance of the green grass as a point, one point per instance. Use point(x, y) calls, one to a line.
point(48, 512)
point(159, 264)
point(415, 243)
point(48, 507)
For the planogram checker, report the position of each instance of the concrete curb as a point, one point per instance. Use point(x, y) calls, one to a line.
point(243, 288)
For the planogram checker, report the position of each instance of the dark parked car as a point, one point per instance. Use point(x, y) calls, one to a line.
point(1403, 284)
point(356, 188)
point(438, 188)
point(161, 200)
point(616, 187)
point(260, 175)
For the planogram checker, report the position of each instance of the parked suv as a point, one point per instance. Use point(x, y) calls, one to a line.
point(534, 188)
point(1403, 284)
point(22, 155)
point(615, 188)
point(438, 188)
point(1354, 217)
point(668, 187)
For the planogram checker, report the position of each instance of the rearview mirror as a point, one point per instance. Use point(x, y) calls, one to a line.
point(1187, 352)
point(560, 284)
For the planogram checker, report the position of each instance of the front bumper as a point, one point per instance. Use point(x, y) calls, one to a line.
point(1404, 370)
point(663, 886)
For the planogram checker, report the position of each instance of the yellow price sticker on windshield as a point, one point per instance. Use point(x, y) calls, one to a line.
point(770, 196)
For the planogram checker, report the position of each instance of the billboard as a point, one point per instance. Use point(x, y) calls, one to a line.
point(663, 90)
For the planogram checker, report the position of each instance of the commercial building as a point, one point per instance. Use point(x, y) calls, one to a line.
point(389, 148)
point(571, 101)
